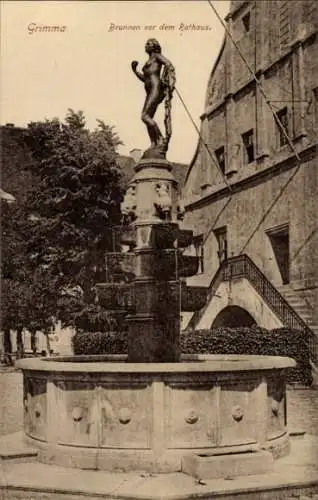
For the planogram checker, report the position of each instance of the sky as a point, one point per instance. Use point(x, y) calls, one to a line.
point(86, 65)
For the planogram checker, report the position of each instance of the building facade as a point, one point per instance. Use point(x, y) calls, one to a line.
point(251, 188)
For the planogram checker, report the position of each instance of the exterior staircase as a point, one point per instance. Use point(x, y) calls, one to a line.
point(299, 303)
point(305, 311)
point(289, 306)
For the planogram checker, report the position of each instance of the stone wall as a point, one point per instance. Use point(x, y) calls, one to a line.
point(275, 188)
point(240, 293)
point(247, 225)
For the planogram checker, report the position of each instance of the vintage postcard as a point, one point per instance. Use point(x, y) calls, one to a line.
point(159, 283)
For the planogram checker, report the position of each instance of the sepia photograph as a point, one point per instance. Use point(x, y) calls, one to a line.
point(159, 249)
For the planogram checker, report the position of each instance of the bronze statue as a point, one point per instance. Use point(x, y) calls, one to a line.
point(158, 87)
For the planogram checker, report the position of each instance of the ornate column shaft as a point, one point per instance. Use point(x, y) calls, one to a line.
point(154, 327)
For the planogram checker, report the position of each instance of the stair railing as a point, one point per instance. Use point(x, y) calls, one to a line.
point(242, 266)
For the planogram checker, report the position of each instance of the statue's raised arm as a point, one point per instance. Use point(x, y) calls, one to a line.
point(158, 76)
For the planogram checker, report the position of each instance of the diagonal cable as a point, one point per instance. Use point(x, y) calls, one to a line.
point(257, 81)
point(202, 140)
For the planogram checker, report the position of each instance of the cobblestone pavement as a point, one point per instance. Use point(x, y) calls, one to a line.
point(302, 406)
point(302, 410)
point(11, 409)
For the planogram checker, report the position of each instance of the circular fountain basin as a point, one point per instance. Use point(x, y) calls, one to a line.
point(100, 412)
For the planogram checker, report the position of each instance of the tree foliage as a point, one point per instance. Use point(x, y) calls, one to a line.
point(55, 238)
point(17, 279)
point(77, 197)
point(76, 202)
point(16, 178)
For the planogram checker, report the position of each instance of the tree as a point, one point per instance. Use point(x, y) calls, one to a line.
point(14, 276)
point(16, 178)
point(54, 237)
point(16, 181)
point(75, 203)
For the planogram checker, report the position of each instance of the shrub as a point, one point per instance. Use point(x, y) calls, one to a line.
point(253, 341)
point(99, 343)
point(241, 340)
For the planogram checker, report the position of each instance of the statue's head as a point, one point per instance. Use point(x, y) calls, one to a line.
point(152, 45)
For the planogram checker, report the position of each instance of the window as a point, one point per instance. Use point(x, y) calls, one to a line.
point(248, 149)
point(221, 236)
point(284, 15)
point(246, 20)
point(282, 116)
point(279, 238)
point(220, 156)
point(199, 251)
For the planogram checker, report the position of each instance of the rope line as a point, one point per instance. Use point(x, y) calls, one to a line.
point(257, 81)
point(202, 140)
point(277, 120)
point(279, 123)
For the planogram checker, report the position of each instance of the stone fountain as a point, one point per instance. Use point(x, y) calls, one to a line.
point(154, 409)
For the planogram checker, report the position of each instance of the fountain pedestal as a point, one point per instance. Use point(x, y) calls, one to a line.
point(154, 331)
point(154, 326)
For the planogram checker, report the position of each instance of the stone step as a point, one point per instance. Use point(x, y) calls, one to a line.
point(300, 306)
point(300, 309)
point(307, 315)
point(284, 288)
point(291, 294)
point(313, 328)
point(293, 476)
point(13, 449)
point(288, 291)
point(311, 324)
point(308, 319)
point(230, 465)
point(294, 298)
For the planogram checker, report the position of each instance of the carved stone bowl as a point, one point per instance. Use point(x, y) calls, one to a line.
point(100, 412)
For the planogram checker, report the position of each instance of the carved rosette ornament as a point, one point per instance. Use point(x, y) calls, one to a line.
point(237, 413)
point(37, 410)
point(77, 413)
point(124, 415)
point(191, 417)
